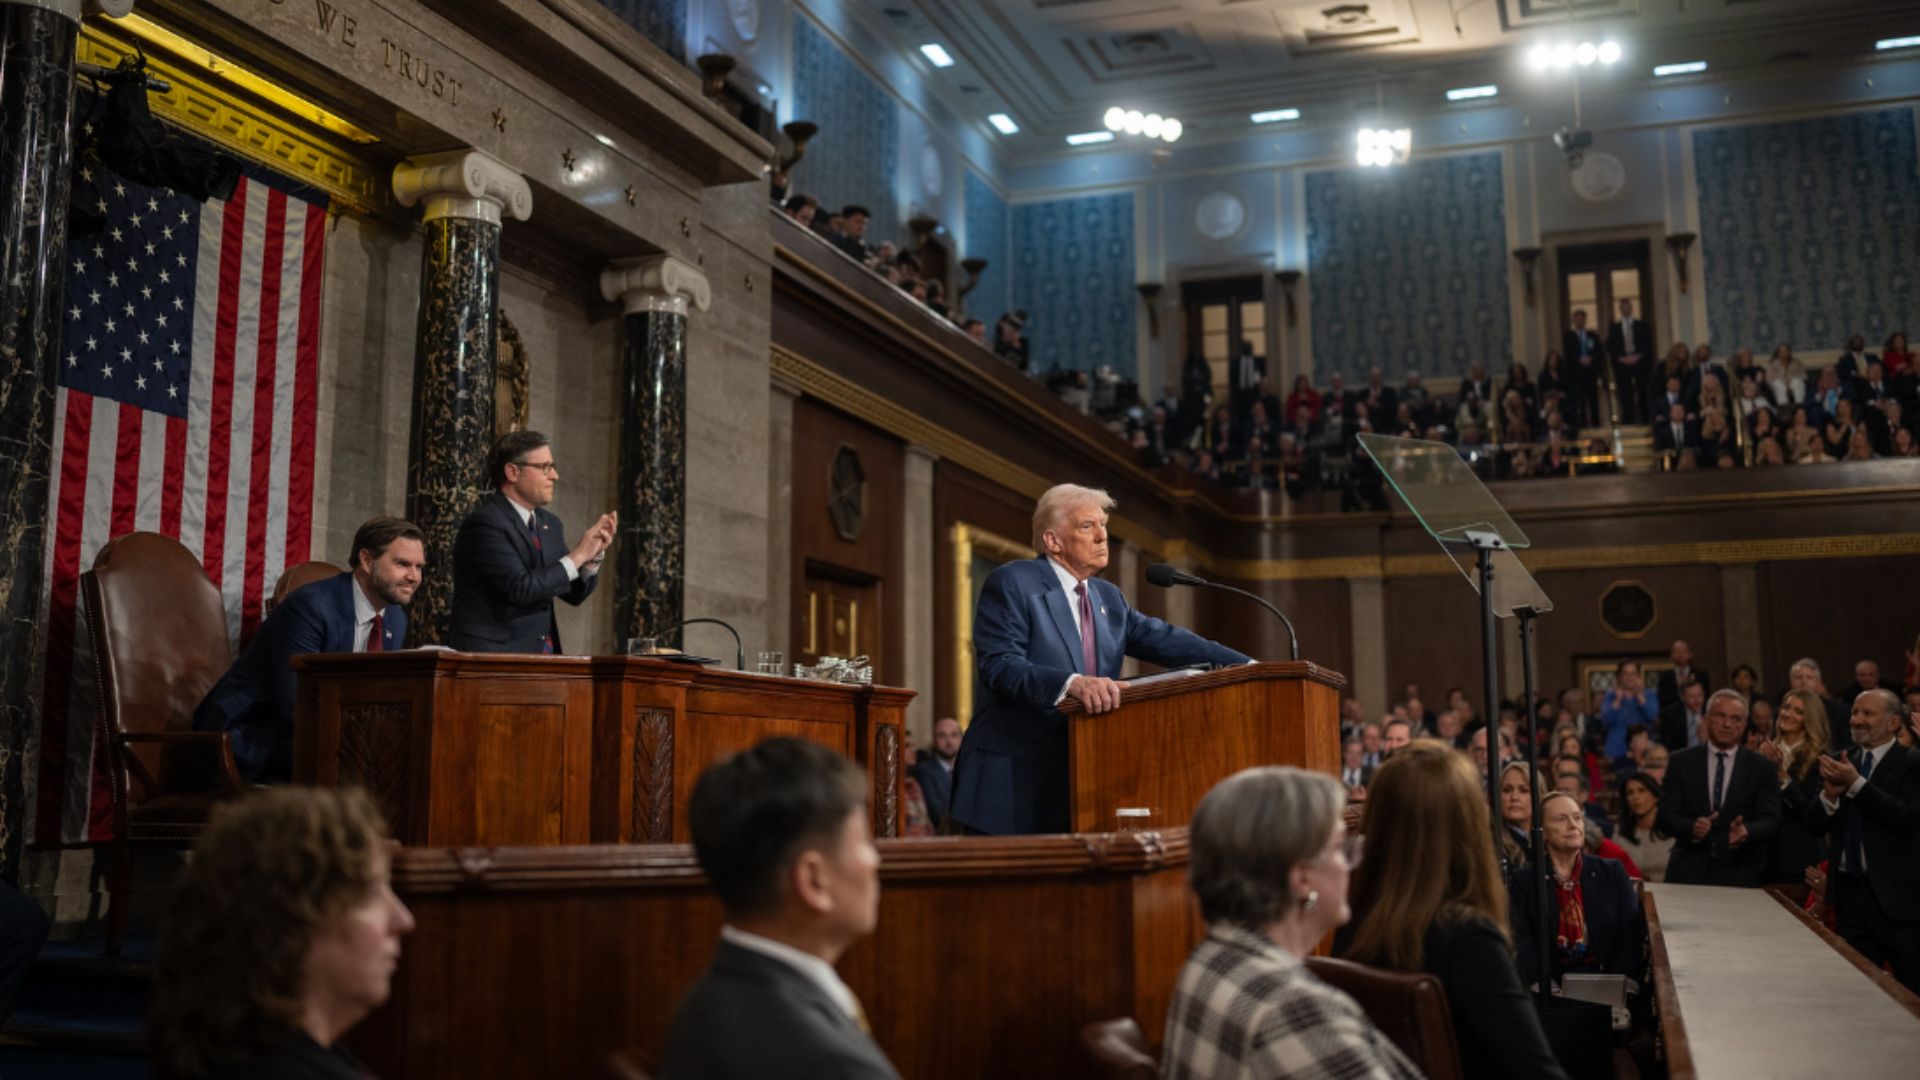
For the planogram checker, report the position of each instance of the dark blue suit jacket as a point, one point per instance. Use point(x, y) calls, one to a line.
point(1011, 776)
point(936, 786)
point(253, 702)
point(1616, 926)
point(503, 590)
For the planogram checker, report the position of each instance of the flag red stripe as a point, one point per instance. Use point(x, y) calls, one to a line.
point(173, 480)
point(306, 379)
point(126, 471)
point(61, 616)
point(226, 328)
point(260, 475)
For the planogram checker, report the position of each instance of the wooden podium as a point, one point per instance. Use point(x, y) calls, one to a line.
point(1173, 739)
point(519, 750)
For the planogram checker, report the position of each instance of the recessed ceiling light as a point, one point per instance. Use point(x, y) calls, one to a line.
point(936, 54)
point(1691, 67)
point(1003, 123)
point(1468, 93)
point(1897, 43)
point(603, 140)
point(1273, 116)
point(1087, 138)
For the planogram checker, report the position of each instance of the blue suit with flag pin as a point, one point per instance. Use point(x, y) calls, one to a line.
point(1031, 632)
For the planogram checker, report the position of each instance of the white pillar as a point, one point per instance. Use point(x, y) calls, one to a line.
point(917, 540)
point(780, 516)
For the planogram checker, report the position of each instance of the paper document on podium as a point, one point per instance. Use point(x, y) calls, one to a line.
point(1452, 505)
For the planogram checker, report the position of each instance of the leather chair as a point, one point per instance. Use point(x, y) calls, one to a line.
point(1118, 1050)
point(304, 574)
point(1408, 1008)
point(159, 633)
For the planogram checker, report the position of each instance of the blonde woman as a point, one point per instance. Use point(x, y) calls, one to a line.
point(1786, 379)
point(1802, 733)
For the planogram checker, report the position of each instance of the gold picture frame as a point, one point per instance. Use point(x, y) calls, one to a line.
point(970, 542)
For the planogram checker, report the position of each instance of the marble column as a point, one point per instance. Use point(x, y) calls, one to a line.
point(1367, 614)
point(917, 590)
point(651, 558)
point(1740, 613)
point(37, 46)
point(780, 399)
point(456, 349)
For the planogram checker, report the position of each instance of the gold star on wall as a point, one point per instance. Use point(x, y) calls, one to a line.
point(499, 120)
point(632, 196)
point(567, 159)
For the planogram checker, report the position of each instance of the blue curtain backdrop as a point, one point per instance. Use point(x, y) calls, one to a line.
point(856, 157)
point(987, 239)
point(663, 22)
point(1074, 273)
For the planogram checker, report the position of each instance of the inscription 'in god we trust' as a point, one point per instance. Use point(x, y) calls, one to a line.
point(344, 30)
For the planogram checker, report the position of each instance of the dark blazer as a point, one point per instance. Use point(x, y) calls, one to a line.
point(1753, 793)
point(752, 1017)
point(1011, 776)
point(1493, 1018)
point(253, 702)
point(1642, 343)
point(503, 590)
point(1798, 846)
point(1570, 351)
point(1673, 724)
point(1889, 810)
point(1616, 925)
point(1669, 685)
point(936, 786)
point(1663, 434)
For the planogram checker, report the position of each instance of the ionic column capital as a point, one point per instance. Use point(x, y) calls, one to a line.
point(467, 184)
point(656, 283)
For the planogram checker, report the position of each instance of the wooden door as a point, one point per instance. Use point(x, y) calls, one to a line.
point(840, 615)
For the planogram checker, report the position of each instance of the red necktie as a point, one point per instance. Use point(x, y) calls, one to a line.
point(376, 637)
point(1089, 655)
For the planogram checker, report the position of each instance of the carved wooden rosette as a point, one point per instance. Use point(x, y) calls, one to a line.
point(373, 754)
point(886, 778)
point(653, 776)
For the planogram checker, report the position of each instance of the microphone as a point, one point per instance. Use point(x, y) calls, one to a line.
point(1164, 576)
point(739, 651)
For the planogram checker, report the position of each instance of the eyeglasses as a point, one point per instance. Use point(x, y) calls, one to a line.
point(551, 468)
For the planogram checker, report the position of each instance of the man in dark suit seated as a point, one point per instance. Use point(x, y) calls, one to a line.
point(1046, 630)
point(362, 610)
point(1869, 809)
point(781, 832)
point(1683, 671)
point(935, 771)
point(510, 560)
point(1676, 433)
point(1721, 802)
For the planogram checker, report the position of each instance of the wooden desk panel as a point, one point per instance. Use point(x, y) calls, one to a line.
point(990, 955)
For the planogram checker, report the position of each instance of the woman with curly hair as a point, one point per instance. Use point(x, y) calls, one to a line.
point(282, 936)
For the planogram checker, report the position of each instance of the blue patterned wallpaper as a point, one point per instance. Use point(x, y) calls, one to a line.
point(1408, 267)
point(1810, 230)
point(663, 22)
point(987, 239)
point(856, 156)
point(1073, 273)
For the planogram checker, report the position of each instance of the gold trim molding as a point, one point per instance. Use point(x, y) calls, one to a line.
point(965, 539)
point(223, 116)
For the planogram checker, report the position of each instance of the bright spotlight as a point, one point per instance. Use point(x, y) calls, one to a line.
point(1609, 52)
point(1115, 119)
point(1150, 127)
point(1003, 123)
point(1539, 57)
point(1563, 56)
point(1585, 54)
point(1172, 129)
point(1135, 121)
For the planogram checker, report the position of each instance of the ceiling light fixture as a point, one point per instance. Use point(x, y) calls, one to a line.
point(1273, 116)
point(1468, 93)
point(1004, 123)
point(1897, 43)
point(1088, 138)
point(937, 54)
point(1563, 55)
point(1691, 67)
point(1382, 147)
point(1135, 122)
point(1115, 119)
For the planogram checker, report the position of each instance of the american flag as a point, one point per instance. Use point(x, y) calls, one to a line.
point(186, 403)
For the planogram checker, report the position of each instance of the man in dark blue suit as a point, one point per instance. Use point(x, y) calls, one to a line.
point(510, 559)
point(1046, 630)
point(363, 610)
point(935, 771)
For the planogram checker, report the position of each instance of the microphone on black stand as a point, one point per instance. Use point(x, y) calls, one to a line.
point(739, 651)
point(1165, 576)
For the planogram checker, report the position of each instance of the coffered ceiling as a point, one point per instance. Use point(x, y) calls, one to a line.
point(1057, 65)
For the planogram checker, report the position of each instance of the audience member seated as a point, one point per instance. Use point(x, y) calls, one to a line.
point(1869, 808)
point(1429, 897)
point(1517, 795)
point(1574, 782)
point(282, 935)
point(1786, 379)
point(1654, 763)
point(1721, 803)
point(1628, 703)
point(1680, 722)
point(362, 610)
point(1805, 675)
point(935, 770)
point(1270, 865)
point(781, 833)
point(1640, 834)
point(1802, 736)
point(1595, 923)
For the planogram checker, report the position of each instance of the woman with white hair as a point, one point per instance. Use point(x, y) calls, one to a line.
point(1270, 858)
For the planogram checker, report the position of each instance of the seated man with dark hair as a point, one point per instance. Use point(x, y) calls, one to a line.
point(362, 610)
point(781, 832)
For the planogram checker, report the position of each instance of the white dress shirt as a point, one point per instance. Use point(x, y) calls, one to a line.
point(1068, 583)
point(363, 613)
point(526, 518)
point(1879, 754)
point(818, 971)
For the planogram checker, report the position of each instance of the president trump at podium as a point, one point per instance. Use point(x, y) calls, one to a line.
point(1046, 629)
